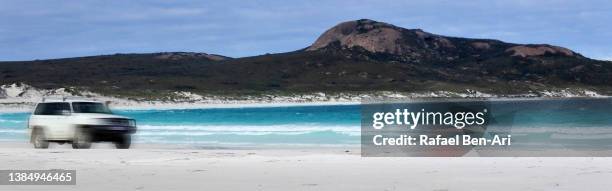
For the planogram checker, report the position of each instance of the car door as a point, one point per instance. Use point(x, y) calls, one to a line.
point(63, 125)
point(44, 118)
point(54, 117)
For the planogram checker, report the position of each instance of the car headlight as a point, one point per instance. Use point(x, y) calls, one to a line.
point(132, 123)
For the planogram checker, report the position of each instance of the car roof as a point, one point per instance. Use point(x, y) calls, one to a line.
point(68, 100)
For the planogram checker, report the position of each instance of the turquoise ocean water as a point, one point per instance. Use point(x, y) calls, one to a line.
point(580, 121)
point(328, 125)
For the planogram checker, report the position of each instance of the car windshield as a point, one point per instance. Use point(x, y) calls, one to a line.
point(89, 107)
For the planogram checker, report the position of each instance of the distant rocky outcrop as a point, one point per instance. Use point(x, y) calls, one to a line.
point(380, 37)
point(370, 35)
point(184, 55)
point(416, 44)
point(538, 50)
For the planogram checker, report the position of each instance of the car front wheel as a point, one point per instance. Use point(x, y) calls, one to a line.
point(123, 142)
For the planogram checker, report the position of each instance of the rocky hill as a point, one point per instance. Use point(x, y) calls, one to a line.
point(352, 57)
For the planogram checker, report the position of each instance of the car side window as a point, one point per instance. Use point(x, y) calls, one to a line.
point(51, 108)
point(40, 109)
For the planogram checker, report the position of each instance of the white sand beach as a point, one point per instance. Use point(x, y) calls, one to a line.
point(154, 167)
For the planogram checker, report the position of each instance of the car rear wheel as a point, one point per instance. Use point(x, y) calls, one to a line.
point(82, 139)
point(123, 142)
point(39, 140)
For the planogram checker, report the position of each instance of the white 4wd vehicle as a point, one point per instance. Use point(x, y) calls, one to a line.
point(79, 122)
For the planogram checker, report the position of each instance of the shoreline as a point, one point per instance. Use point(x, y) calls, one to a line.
point(23, 97)
point(151, 105)
point(19, 107)
point(343, 149)
point(297, 150)
point(187, 105)
point(184, 146)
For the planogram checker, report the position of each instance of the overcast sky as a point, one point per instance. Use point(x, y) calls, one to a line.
point(55, 29)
